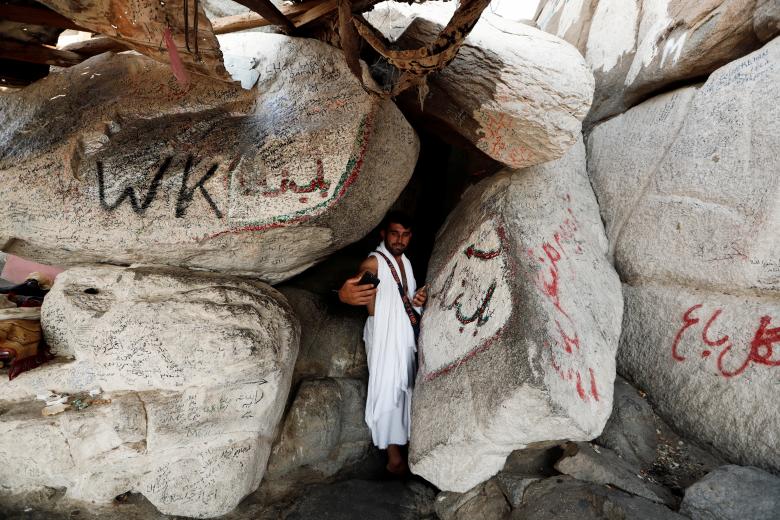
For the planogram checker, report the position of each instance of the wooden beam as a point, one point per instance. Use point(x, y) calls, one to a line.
point(269, 11)
point(361, 6)
point(95, 46)
point(238, 22)
point(315, 12)
point(300, 14)
point(37, 53)
point(37, 16)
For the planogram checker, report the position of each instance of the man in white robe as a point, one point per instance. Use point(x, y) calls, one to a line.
point(389, 338)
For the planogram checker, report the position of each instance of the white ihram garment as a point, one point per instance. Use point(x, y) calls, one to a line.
point(391, 354)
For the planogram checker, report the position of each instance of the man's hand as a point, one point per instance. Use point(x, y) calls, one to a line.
point(354, 294)
point(420, 297)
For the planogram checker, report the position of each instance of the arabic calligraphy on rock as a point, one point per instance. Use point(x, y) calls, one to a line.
point(732, 356)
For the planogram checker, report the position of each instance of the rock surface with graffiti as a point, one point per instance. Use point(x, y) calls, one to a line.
point(195, 370)
point(517, 93)
point(636, 47)
point(108, 162)
point(689, 193)
point(519, 336)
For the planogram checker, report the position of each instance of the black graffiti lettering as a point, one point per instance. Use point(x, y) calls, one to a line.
point(186, 194)
point(129, 192)
point(183, 200)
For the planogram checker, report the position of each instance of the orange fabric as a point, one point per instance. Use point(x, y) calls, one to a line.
point(20, 340)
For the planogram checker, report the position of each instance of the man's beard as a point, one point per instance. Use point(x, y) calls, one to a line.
point(395, 251)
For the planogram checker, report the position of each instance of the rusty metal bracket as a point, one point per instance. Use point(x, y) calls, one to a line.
point(414, 65)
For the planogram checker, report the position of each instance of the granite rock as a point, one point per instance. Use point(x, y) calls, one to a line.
point(733, 493)
point(514, 487)
point(631, 429)
point(563, 498)
point(195, 369)
point(590, 463)
point(323, 431)
point(647, 442)
point(688, 191)
point(517, 93)
point(519, 335)
point(331, 336)
point(485, 501)
point(108, 161)
point(639, 47)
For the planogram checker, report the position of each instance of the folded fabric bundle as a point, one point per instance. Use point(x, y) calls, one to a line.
point(24, 301)
point(21, 340)
point(17, 313)
point(36, 285)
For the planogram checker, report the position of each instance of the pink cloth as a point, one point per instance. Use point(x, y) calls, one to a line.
point(16, 269)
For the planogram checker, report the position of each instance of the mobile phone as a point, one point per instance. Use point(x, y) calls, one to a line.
point(369, 278)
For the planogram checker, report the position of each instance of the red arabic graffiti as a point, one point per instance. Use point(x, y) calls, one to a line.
point(553, 253)
point(473, 251)
point(760, 349)
point(495, 127)
point(317, 183)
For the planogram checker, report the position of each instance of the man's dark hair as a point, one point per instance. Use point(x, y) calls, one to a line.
point(397, 217)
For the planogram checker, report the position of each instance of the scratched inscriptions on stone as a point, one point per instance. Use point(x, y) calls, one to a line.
point(202, 413)
point(198, 479)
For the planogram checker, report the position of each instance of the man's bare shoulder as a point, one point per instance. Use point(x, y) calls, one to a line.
point(370, 264)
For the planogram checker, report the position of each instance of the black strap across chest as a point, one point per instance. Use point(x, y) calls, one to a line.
point(413, 316)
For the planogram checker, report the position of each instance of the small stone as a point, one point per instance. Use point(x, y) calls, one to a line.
point(606, 468)
point(563, 498)
point(54, 409)
point(733, 493)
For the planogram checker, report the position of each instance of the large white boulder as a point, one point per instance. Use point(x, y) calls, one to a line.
point(517, 93)
point(519, 337)
point(637, 47)
point(107, 162)
point(690, 196)
point(197, 368)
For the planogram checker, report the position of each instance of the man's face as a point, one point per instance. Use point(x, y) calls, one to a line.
point(396, 238)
